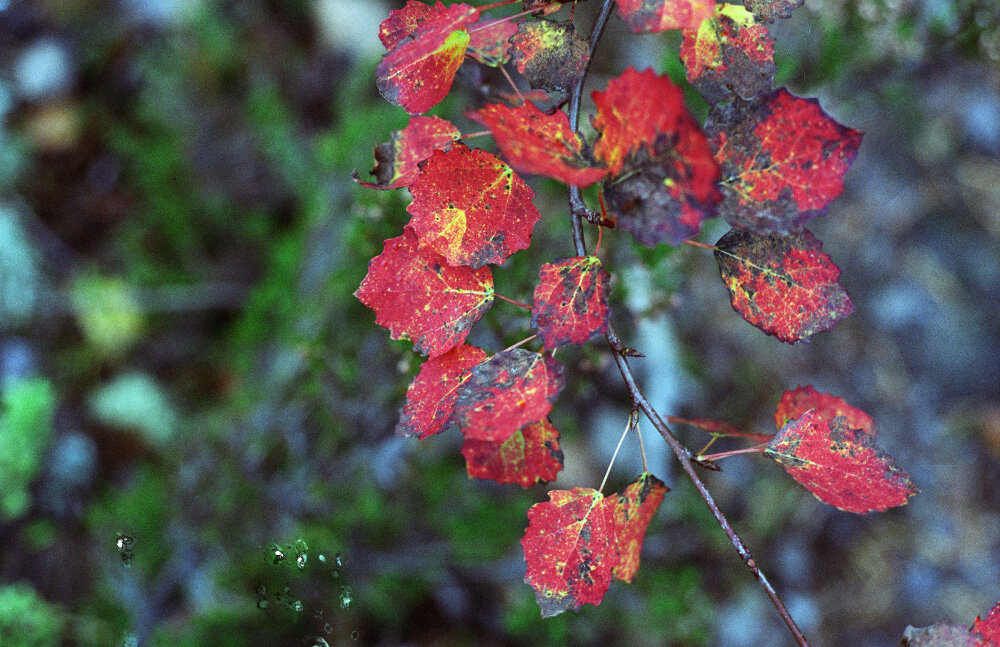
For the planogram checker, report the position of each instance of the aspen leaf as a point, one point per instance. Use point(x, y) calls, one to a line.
point(418, 296)
point(419, 68)
point(839, 465)
point(549, 54)
point(634, 509)
point(430, 398)
point(402, 23)
point(530, 455)
point(989, 628)
point(491, 45)
point(729, 54)
point(396, 160)
point(795, 403)
point(471, 207)
point(768, 10)
point(661, 15)
point(782, 160)
point(512, 389)
point(784, 285)
point(571, 301)
point(534, 142)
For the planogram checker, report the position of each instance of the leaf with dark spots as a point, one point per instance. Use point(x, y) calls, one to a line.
point(768, 10)
point(784, 285)
point(635, 507)
point(795, 403)
point(571, 301)
point(491, 45)
point(989, 628)
point(402, 23)
point(782, 160)
point(839, 465)
point(534, 142)
point(729, 54)
point(417, 296)
point(530, 455)
point(550, 55)
point(430, 398)
point(396, 160)
point(661, 15)
point(471, 207)
point(512, 389)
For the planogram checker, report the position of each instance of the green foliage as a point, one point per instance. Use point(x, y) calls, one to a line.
point(26, 410)
point(26, 620)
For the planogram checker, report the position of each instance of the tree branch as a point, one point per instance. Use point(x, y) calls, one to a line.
point(579, 211)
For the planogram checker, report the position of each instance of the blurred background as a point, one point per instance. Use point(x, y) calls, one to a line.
point(196, 415)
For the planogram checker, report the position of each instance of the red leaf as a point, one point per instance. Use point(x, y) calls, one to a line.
point(491, 46)
point(419, 69)
point(549, 54)
point(839, 465)
point(729, 54)
point(534, 142)
point(512, 389)
point(396, 160)
point(418, 296)
point(430, 398)
point(768, 10)
point(782, 160)
point(571, 301)
point(795, 403)
point(634, 509)
point(571, 548)
point(784, 285)
point(663, 182)
point(402, 23)
point(989, 629)
point(545, 7)
point(719, 427)
point(661, 15)
point(471, 208)
point(529, 456)
point(578, 540)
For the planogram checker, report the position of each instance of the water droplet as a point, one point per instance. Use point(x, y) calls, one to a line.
point(130, 641)
point(296, 605)
point(300, 560)
point(125, 544)
point(322, 558)
point(346, 596)
point(334, 573)
point(327, 628)
point(277, 555)
point(321, 642)
point(337, 559)
point(355, 635)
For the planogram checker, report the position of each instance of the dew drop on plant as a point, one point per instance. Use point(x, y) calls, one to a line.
point(130, 641)
point(277, 555)
point(335, 573)
point(321, 642)
point(322, 558)
point(125, 544)
point(327, 628)
point(337, 559)
point(296, 605)
point(301, 553)
point(355, 635)
point(346, 596)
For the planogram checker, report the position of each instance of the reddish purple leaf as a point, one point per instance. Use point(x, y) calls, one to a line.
point(402, 23)
point(795, 403)
point(430, 398)
point(782, 160)
point(549, 54)
point(840, 465)
point(989, 629)
point(571, 301)
point(491, 46)
point(768, 10)
point(784, 285)
point(471, 208)
point(634, 509)
point(534, 142)
point(396, 160)
point(661, 15)
point(418, 296)
point(512, 389)
point(530, 455)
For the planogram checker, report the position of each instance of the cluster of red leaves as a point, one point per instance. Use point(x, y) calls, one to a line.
point(984, 633)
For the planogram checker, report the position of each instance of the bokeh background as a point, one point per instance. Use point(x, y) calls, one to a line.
point(196, 415)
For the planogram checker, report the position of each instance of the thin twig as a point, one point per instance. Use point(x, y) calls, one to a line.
point(519, 304)
point(580, 210)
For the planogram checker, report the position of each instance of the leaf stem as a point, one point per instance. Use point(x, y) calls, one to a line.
point(512, 84)
point(580, 210)
point(628, 426)
point(487, 25)
point(642, 445)
point(478, 133)
point(496, 4)
point(733, 452)
point(697, 243)
point(520, 343)
point(519, 304)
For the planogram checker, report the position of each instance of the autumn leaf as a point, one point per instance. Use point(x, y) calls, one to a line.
point(402, 23)
point(396, 160)
point(418, 70)
point(549, 54)
point(663, 173)
point(571, 301)
point(418, 296)
point(661, 15)
point(839, 465)
point(634, 509)
point(729, 55)
point(782, 160)
point(989, 629)
point(718, 427)
point(490, 45)
point(784, 285)
point(530, 455)
point(571, 548)
point(940, 634)
point(768, 10)
point(430, 398)
point(534, 142)
point(512, 389)
point(471, 208)
point(545, 7)
point(795, 403)
point(579, 540)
